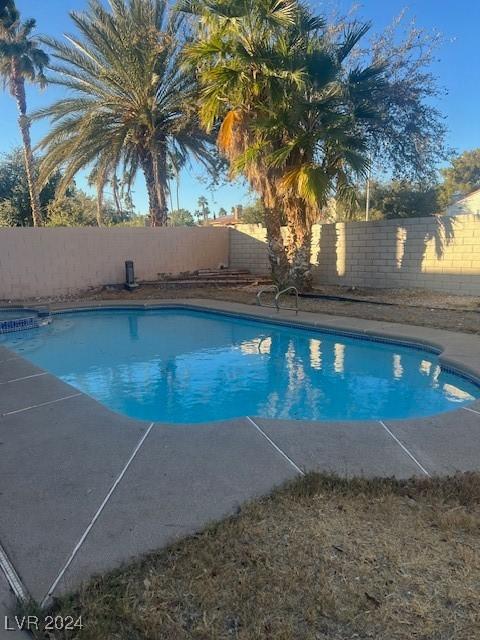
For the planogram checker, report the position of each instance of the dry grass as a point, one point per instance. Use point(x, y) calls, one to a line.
point(322, 558)
point(422, 308)
point(429, 309)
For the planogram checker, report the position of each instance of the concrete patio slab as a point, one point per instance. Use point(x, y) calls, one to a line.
point(58, 463)
point(345, 448)
point(184, 477)
point(29, 392)
point(443, 444)
point(6, 354)
point(15, 368)
point(475, 406)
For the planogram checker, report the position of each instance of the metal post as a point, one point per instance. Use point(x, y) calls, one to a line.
point(130, 275)
point(367, 202)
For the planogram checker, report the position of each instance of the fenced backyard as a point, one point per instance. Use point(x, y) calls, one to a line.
point(437, 254)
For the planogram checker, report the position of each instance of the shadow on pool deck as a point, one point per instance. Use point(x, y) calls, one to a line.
point(73, 471)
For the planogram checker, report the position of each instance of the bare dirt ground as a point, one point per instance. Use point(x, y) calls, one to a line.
point(429, 309)
point(322, 559)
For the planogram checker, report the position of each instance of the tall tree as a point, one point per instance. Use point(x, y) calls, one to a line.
point(289, 112)
point(393, 199)
point(253, 213)
point(131, 105)
point(462, 176)
point(230, 54)
point(22, 59)
point(15, 199)
point(407, 139)
point(203, 210)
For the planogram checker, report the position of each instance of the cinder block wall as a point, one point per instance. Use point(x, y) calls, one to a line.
point(440, 254)
point(248, 248)
point(49, 262)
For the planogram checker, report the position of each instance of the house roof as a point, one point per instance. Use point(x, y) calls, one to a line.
point(225, 221)
point(468, 195)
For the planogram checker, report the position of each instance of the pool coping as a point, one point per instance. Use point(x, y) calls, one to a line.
point(414, 446)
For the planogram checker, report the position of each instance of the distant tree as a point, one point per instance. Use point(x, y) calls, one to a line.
point(80, 210)
point(407, 138)
point(461, 177)
point(400, 199)
point(8, 214)
point(203, 210)
point(135, 220)
point(21, 59)
point(122, 199)
point(16, 209)
point(253, 213)
point(181, 218)
point(222, 212)
point(393, 199)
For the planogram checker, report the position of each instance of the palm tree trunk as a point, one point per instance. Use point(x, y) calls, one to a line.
point(299, 244)
point(300, 272)
point(24, 124)
point(116, 196)
point(155, 210)
point(160, 175)
point(275, 244)
point(276, 249)
point(170, 194)
point(101, 179)
point(100, 206)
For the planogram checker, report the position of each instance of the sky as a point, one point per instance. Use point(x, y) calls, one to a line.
point(457, 69)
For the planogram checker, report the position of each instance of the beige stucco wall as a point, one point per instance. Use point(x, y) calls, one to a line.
point(441, 254)
point(49, 262)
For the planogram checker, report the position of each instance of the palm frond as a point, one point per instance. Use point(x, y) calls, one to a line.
point(309, 181)
point(226, 133)
point(352, 36)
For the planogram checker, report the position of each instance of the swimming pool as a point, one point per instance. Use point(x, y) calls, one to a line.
point(187, 366)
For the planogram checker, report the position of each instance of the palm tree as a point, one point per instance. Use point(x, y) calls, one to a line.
point(21, 59)
point(203, 210)
point(131, 105)
point(290, 112)
point(232, 53)
point(318, 136)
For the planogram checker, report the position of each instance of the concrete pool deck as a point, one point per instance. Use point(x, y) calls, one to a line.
point(84, 489)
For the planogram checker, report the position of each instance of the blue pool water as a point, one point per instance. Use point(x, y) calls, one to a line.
point(177, 365)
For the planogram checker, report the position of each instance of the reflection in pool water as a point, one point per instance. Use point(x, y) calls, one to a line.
point(188, 366)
